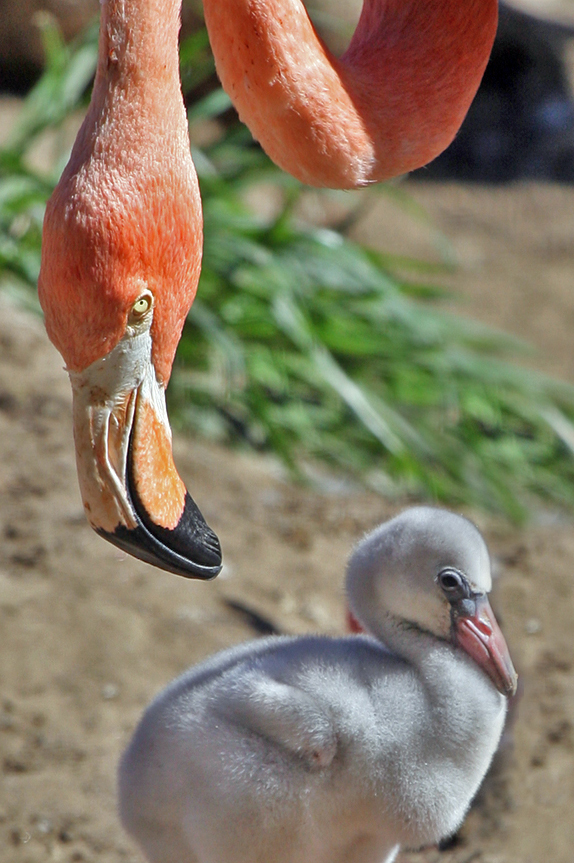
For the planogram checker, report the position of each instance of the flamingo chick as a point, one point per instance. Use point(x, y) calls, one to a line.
point(121, 257)
point(334, 750)
point(390, 104)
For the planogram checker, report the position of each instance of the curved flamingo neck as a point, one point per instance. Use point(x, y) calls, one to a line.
point(392, 102)
point(434, 662)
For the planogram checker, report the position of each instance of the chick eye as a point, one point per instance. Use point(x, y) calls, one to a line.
point(452, 583)
point(141, 306)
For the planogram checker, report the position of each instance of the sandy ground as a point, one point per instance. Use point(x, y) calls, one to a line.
point(88, 636)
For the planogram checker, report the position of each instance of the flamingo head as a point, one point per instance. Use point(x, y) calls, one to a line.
point(120, 264)
point(428, 571)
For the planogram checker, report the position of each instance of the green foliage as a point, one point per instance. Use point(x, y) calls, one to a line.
point(308, 345)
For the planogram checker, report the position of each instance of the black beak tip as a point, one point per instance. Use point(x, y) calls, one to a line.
point(203, 563)
point(191, 549)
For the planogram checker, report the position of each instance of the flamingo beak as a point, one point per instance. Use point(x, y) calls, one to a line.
point(478, 634)
point(132, 493)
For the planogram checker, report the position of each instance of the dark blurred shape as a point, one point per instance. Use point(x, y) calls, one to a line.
point(21, 50)
point(18, 76)
point(259, 624)
point(521, 123)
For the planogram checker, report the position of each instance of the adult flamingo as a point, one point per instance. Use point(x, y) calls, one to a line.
point(121, 257)
point(122, 235)
point(391, 103)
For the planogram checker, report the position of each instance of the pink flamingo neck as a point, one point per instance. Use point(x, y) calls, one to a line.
point(138, 60)
point(392, 102)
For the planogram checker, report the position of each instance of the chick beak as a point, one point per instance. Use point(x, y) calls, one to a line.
point(132, 493)
point(478, 634)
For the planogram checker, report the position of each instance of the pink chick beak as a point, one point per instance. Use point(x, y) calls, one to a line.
point(353, 625)
point(480, 637)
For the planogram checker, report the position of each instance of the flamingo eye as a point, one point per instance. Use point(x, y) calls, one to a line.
point(141, 307)
point(452, 583)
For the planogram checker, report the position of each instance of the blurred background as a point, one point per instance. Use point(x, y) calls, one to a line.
point(348, 353)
